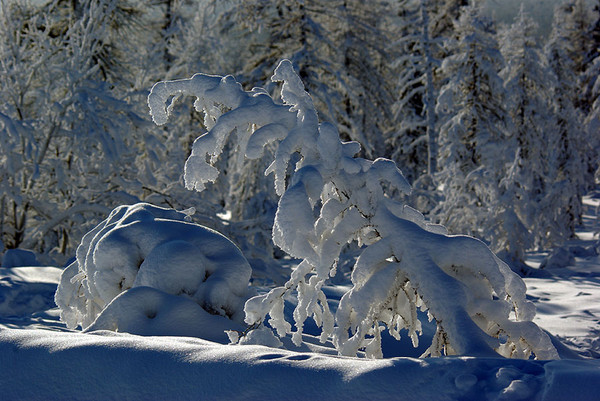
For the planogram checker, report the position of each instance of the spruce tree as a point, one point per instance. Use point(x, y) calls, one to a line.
point(473, 133)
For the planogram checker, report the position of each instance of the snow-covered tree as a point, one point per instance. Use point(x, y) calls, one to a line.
point(47, 92)
point(592, 120)
point(570, 150)
point(329, 197)
point(338, 48)
point(591, 95)
point(415, 142)
point(575, 22)
point(335, 48)
point(575, 18)
point(473, 133)
point(590, 72)
point(72, 146)
point(444, 14)
point(362, 31)
point(527, 81)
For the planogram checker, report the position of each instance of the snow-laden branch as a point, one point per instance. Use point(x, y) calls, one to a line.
point(227, 108)
point(330, 198)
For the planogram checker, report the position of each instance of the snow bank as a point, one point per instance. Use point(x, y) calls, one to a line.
point(18, 258)
point(107, 365)
point(149, 312)
point(26, 290)
point(147, 246)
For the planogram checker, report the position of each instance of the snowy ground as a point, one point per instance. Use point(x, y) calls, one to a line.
point(568, 299)
point(41, 359)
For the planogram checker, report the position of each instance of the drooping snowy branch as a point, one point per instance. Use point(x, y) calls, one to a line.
point(330, 198)
point(227, 108)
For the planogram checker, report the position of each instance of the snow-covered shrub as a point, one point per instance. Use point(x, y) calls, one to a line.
point(145, 245)
point(329, 198)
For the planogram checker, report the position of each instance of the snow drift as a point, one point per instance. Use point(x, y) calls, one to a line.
point(120, 366)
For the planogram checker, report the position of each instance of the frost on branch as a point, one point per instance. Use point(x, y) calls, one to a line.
point(329, 198)
point(148, 246)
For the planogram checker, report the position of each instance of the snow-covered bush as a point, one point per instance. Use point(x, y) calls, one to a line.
point(145, 245)
point(329, 198)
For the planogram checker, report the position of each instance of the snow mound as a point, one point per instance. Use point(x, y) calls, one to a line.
point(144, 245)
point(26, 290)
point(150, 312)
point(560, 257)
point(18, 258)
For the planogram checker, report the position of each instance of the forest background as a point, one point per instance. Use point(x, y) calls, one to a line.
point(495, 125)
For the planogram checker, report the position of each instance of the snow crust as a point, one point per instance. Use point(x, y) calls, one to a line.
point(146, 246)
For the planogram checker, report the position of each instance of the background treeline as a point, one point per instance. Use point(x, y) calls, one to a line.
point(497, 129)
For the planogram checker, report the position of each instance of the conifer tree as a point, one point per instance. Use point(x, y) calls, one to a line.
point(569, 151)
point(527, 81)
point(338, 49)
point(473, 133)
point(415, 141)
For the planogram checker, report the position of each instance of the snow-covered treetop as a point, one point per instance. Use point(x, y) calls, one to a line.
point(330, 198)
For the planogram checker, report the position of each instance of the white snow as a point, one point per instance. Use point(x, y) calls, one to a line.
point(146, 246)
point(26, 290)
point(151, 312)
point(46, 360)
point(106, 365)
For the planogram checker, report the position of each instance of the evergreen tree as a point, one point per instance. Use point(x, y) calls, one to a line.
point(473, 134)
point(592, 120)
point(591, 96)
point(528, 81)
point(363, 32)
point(337, 48)
point(445, 13)
point(415, 142)
point(576, 21)
point(569, 157)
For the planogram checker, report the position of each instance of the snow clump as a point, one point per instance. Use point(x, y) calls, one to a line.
point(147, 246)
